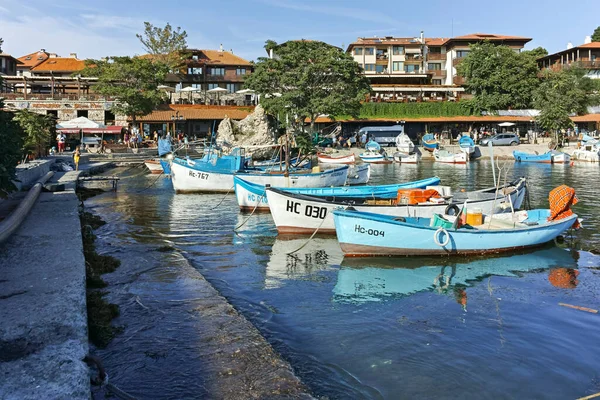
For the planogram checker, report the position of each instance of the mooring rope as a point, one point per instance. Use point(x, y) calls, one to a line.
point(309, 239)
point(224, 197)
point(255, 207)
point(152, 184)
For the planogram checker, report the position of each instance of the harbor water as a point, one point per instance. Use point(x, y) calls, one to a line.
point(389, 328)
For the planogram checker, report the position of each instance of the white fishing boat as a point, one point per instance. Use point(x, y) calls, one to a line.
point(444, 156)
point(466, 145)
point(303, 214)
point(373, 155)
point(404, 158)
point(404, 144)
point(154, 166)
point(589, 152)
point(214, 173)
point(327, 159)
point(359, 174)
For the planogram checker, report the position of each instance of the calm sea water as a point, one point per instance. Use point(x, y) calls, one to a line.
point(362, 328)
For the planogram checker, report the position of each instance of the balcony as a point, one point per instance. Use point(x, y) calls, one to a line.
point(414, 57)
point(436, 56)
point(438, 73)
point(456, 61)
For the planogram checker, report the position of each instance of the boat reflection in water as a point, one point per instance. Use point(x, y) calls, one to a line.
point(362, 280)
point(314, 256)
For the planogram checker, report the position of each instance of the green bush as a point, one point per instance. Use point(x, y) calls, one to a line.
point(413, 110)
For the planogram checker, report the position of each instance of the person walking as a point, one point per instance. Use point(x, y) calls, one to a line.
point(76, 156)
point(61, 139)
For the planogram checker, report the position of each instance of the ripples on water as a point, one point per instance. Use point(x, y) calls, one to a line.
point(381, 328)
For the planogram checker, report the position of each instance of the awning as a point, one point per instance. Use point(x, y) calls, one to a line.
point(111, 130)
point(376, 88)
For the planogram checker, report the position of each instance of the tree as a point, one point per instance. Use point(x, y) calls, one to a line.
point(132, 81)
point(596, 35)
point(38, 130)
point(10, 151)
point(306, 79)
point(498, 77)
point(563, 93)
point(536, 53)
point(165, 44)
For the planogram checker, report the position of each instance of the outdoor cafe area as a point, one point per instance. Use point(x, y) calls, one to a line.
point(212, 97)
point(417, 94)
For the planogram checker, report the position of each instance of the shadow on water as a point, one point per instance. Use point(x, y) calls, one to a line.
point(484, 327)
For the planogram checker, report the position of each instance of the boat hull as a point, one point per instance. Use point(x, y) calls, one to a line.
point(301, 214)
point(451, 158)
point(407, 158)
point(366, 234)
point(251, 196)
point(546, 158)
point(154, 166)
point(325, 159)
point(359, 175)
point(190, 178)
point(586, 155)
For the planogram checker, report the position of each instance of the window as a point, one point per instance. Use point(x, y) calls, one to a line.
point(358, 51)
point(195, 57)
point(397, 66)
point(194, 71)
point(436, 81)
point(434, 66)
point(411, 68)
point(82, 113)
point(381, 54)
point(53, 113)
point(213, 85)
point(109, 116)
point(435, 50)
point(240, 71)
point(196, 86)
point(380, 68)
point(461, 53)
point(369, 51)
point(217, 71)
point(232, 87)
point(398, 50)
point(369, 67)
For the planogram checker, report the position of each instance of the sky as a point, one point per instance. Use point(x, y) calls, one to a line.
point(95, 29)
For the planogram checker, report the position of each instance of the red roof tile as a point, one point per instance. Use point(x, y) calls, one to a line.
point(33, 59)
point(60, 64)
point(489, 36)
point(593, 45)
point(196, 112)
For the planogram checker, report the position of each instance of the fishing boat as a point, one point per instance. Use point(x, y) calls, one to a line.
point(404, 144)
point(373, 155)
point(444, 156)
point(550, 157)
point(588, 150)
point(298, 213)
point(165, 163)
point(250, 195)
point(325, 159)
point(429, 142)
point(404, 158)
point(154, 166)
point(275, 163)
point(467, 145)
point(359, 174)
point(214, 173)
point(366, 234)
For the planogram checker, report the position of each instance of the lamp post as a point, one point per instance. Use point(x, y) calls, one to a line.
point(176, 118)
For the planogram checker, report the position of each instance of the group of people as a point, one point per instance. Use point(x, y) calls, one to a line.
point(132, 137)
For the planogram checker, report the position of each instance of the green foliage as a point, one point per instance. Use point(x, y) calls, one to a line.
point(133, 81)
point(412, 110)
point(498, 77)
point(10, 150)
point(308, 78)
point(536, 53)
point(562, 93)
point(38, 131)
point(165, 44)
point(596, 35)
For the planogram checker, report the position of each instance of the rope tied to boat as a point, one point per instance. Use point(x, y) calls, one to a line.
point(309, 239)
point(224, 197)
point(255, 207)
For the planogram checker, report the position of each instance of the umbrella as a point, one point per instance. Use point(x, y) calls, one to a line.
point(245, 91)
point(166, 88)
point(190, 89)
point(79, 123)
point(217, 90)
point(506, 124)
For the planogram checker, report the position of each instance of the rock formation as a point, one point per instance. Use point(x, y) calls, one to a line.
point(251, 131)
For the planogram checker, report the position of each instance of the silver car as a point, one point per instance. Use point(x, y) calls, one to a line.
point(501, 139)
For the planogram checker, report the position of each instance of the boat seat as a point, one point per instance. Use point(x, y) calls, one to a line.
point(499, 224)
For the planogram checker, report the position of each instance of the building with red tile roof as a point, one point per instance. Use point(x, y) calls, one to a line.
point(419, 68)
point(29, 61)
point(587, 56)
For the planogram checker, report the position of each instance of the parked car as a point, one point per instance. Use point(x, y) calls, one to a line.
point(501, 139)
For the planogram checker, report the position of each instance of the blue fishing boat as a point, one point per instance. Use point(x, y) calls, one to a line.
point(252, 195)
point(367, 234)
point(429, 142)
point(466, 144)
point(372, 154)
point(550, 157)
